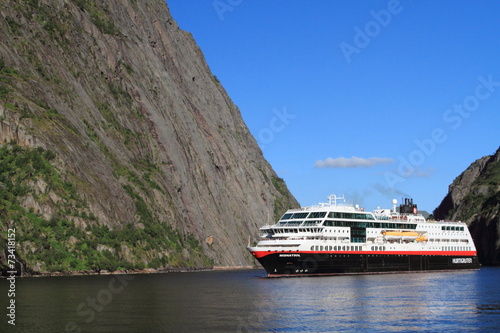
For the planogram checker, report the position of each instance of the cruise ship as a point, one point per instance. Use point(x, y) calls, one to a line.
point(337, 238)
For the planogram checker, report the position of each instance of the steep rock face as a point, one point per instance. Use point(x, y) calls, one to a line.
point(142, 131)
point(474, 197)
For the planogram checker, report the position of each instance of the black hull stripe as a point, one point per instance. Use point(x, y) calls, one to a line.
point(281, 264)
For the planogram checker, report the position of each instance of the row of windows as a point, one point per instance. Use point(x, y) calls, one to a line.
point(286, 231)
point(302, 215)
point(358, 216)
point(369, 225)
point(344, 248)
point(335, 248)
point(317, 215)
point(337, 230)
point(320, 215)
point(456, 248)
point(373, 248)
point(448, 240)
point(290, 223)
point(312, 223)
point(451, 228)
point(440, 234)
point(288, 216)
point(296, 223)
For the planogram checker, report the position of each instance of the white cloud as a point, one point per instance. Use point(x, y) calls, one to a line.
point(352, 162)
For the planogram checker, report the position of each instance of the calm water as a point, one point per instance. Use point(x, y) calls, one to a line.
point(232, 301)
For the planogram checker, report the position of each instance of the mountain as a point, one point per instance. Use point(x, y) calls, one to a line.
point(119, 149)
point(474, 197)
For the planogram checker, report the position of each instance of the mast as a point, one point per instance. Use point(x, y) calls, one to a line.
point(332, 199)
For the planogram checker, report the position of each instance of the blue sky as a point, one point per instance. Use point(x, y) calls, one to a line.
point(372, 99)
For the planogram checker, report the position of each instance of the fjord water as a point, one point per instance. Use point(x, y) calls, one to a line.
point(245, 300)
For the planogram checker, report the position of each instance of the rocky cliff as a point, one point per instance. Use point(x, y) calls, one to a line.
point(474, 197)
point(119, 147)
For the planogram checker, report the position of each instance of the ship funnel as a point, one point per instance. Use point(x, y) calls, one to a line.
point(408, 207)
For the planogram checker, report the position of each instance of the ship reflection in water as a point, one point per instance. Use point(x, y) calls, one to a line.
point(248, 301)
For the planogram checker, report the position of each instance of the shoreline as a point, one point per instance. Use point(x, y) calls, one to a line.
point(133, 271)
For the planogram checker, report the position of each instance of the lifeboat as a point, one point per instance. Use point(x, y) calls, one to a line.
point(404, 235)
point(421, 238)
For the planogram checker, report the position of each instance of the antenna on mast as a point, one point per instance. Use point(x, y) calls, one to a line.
point(332, 199)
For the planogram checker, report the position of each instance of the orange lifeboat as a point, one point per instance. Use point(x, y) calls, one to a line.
point(421, 238)
point(404, 235)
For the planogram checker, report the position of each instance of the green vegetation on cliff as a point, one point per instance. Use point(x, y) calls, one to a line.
point(489, 187)
point(483, 194)
point(50, 241)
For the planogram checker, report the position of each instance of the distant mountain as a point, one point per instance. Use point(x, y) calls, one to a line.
point(474, 197)
point(119, 149)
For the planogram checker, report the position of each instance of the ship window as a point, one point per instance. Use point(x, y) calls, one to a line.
point(291, 223)
point(286, 216)
point(312, 223)
point(317, 215)
point(338, 215)
point(299, 215)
